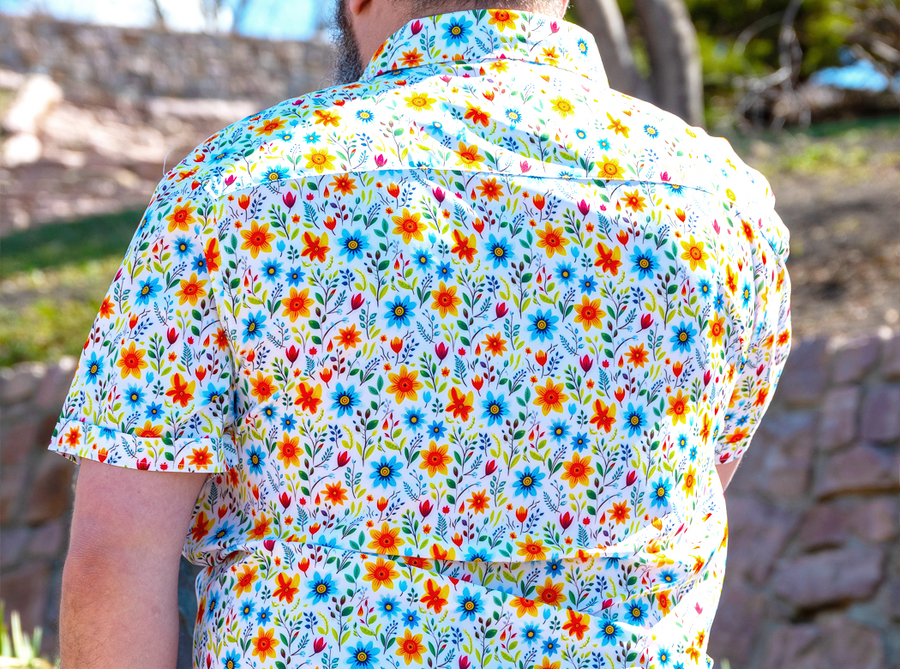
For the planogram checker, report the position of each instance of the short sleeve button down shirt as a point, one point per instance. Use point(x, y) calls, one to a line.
point(460, 345)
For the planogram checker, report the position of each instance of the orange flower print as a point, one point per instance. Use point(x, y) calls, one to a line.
point(552, 240)
point(609, 259)
point(344, 184)
point(181, 217)
point(202, 526)
point(490, 189)
point(445, 300)
point(461, 405)
point(287, 587)
point(381, 574)
point(289, 451)
point(211, 255)
point(716, 330)
point(435, 460)
point(386, 541)
point(664, 602)
point(245, 579)
point(347, 337)
point(604, 416)
point(107, 307)
point(326, 118)
point(335, 493)
point(476, 115)
point(524, 607)
point(588, 313)
point(263, 387)
point(270, 126)
point(264, 644)
point(297, 304)
point(200, 458)
point(620, 512)
point(464, 246)
point(435, 597)
point(575, 625)
point(532, 549)
point(577, 470)
point(308, 397)
point(634, 201)
point(131, 361)
point(637, 355)
point(315, 247)
point(479, 501)
point(502, 18)
point(410, 647)
point(409, 226)
point(678, 408)
point(260, 528)
point(405, 385)
point(550, 397)
point(468, 156)
point(191, 290)
point(411, 58)
point(257, 239)
point(550, 593)
point(495, 344)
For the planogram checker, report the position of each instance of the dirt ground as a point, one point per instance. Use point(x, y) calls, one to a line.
point(840, 198)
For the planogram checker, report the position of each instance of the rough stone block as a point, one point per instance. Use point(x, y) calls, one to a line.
point(20, 382)
point(757, 533)
point(854, 358)
point(805, 375)
point(16, 442)
point(863, 468)
point(830, 577)
point(875, 520)
point(834, 641)
point(890, 360)
point(837, 426)
point(881, 413)
point(51, 492)
point(55, 386)
point(12, 545)
point(48, 539)
point(25, 590)
point(824, 526)
point(736, 629)
point(782, 452)
point(12, 482)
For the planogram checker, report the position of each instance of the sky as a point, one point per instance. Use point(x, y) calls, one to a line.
point(273, 19)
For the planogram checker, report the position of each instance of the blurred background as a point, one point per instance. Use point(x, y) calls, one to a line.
point(99, 97)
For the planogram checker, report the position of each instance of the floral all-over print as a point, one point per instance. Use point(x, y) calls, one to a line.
point(460, 345)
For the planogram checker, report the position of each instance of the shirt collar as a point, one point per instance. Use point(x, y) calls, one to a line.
point(489, 35)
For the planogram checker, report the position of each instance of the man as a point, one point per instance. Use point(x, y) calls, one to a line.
point(435, 368)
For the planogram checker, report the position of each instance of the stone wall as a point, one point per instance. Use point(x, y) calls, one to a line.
point(100, 65)
point(813, 578)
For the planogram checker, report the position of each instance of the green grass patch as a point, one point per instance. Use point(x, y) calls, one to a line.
point(75, 243)
point(52, 281)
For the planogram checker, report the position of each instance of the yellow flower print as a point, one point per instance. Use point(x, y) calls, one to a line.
point(562, 106)
point(420, 102)
point(319, 160)
point(694, 253)
point(502, 18)
point(191, 290)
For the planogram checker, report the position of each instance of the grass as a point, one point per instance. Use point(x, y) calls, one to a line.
point(52, 280)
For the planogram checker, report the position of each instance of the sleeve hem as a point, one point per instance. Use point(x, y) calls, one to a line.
point(77, 439)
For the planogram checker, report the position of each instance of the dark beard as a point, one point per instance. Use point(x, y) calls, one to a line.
point(348, 65)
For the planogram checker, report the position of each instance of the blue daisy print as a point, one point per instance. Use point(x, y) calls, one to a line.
point(543, 325)
point(400, 311)
point(457, 30)
point(499, 251)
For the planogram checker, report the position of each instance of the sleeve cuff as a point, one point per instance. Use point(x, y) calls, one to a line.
point(76, 439)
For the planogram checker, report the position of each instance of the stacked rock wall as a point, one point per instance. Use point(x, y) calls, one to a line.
point(813, 576)
point(99, 65)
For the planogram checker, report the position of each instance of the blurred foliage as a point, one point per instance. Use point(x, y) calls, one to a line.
point(17, 649)
point(739, 38)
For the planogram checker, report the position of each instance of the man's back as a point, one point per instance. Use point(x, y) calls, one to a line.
point(477, 310)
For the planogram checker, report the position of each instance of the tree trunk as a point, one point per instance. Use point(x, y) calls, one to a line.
point(676, 73)
point(603, 19)
point(676, 70)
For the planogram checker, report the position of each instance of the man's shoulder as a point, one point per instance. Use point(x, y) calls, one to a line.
point(253, 150)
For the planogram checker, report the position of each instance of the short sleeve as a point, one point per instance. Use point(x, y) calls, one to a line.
point(153, 388)
point(756, 376)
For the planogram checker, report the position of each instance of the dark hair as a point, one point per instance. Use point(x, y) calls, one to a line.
point(430, 7)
